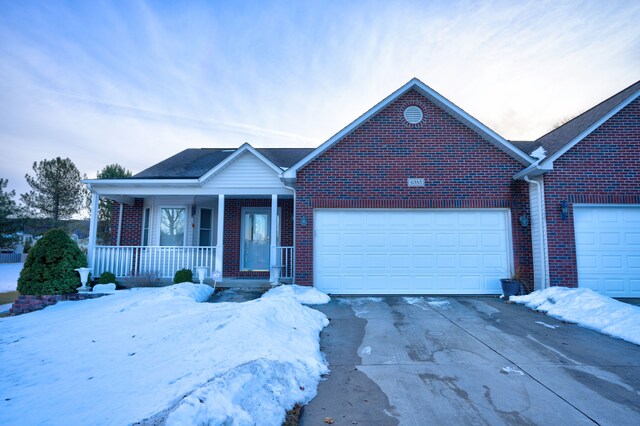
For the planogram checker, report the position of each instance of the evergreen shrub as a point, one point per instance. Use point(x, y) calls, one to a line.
point(50, 266)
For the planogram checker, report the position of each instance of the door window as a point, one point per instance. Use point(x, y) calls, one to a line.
point(172, 225)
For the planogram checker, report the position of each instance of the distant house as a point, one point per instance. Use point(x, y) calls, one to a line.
point(414, 197)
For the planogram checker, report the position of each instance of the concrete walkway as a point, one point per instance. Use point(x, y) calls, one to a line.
point(469, 360)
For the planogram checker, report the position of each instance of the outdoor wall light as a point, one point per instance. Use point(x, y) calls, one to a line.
point(304, 221)
point(524, 220)
point(564, 210)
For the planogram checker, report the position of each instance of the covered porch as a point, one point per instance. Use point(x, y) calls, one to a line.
point(152, 237)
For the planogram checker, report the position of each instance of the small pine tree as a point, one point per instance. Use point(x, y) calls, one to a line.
point(50, 265)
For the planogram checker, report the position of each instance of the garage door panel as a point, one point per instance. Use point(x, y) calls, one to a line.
point(424, 283)
point(610, 238)
point(411, 251)
point(377, 282)
point(446, 261)
point(400, 240)
point(632, 239)
point(614, 285)
point(631, 216)
point(448, 282)
point(471, 282)
point(468, 240)
point(423, 261)
point(352, 261)
point(608, 248)
point(376, 240)
point(492, 240)
point(446, 240)
point(423, 240)
point(352, 239)
point(400, 261)
point(470, 261)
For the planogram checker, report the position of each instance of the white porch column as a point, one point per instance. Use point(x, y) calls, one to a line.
point(273, 238)
point(220, 235)
point(93, 229)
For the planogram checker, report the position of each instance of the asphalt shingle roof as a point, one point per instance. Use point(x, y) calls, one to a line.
point(558, 138)
point(195, 162)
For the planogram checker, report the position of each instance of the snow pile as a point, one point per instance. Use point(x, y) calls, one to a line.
point(157, 354)
point(302, 294)
point(104, 288)
point(587, 308)
point(9, 274)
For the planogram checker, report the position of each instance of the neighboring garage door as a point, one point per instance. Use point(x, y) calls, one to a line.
point(429, 251)
point(608, 249)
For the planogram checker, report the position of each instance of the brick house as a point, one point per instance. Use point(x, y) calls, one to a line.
point(588, 192)
point(414, 197)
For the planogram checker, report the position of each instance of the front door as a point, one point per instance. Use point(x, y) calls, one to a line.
point(254, 241)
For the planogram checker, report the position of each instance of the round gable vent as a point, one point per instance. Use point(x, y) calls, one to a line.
point(413, 114)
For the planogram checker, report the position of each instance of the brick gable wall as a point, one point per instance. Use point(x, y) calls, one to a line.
point(369, 169)
point(604, 168)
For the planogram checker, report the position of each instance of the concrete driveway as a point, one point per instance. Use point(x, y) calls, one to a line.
point(469, 360)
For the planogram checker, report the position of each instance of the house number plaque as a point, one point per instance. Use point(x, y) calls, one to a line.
point(415, 181)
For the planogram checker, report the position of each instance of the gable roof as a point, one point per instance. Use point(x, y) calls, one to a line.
point(563, 138)
point(194, 163)
point(439, 100)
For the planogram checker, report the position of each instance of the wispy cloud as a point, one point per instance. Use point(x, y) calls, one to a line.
point(135, 82)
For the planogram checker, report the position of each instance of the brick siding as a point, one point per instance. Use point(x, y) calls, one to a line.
point(131, 234)
point(28, 303)
point(370, 166)
point(604, 168)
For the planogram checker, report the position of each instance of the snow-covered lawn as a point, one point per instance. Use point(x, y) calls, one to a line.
point(588, 309)
point(157, 353)
point(9, 274)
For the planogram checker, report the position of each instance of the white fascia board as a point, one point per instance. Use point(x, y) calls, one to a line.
point(587, 132)
point(534, 170)
point(141, 192)
point(237, 153)
point(435, 97)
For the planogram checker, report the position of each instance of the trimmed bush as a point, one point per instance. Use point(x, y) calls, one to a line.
point(107, 278)
point(50, 264)
point(183, 276)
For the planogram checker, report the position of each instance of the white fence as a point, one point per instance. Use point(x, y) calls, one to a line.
point(163, 262)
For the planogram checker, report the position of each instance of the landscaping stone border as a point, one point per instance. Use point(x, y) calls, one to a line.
point(29, 303)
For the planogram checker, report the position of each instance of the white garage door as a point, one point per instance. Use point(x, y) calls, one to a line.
point(394, 251)
point(608, 249)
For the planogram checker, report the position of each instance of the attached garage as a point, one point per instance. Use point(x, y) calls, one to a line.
point(608, 249)
point(417, 251)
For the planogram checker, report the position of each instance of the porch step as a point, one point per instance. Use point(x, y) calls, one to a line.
point(244, 282)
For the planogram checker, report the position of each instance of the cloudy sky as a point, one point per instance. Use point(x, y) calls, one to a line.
point(133, 82)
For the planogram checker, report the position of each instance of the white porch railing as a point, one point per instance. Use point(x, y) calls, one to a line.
point(285, 261)
point(162, 261)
